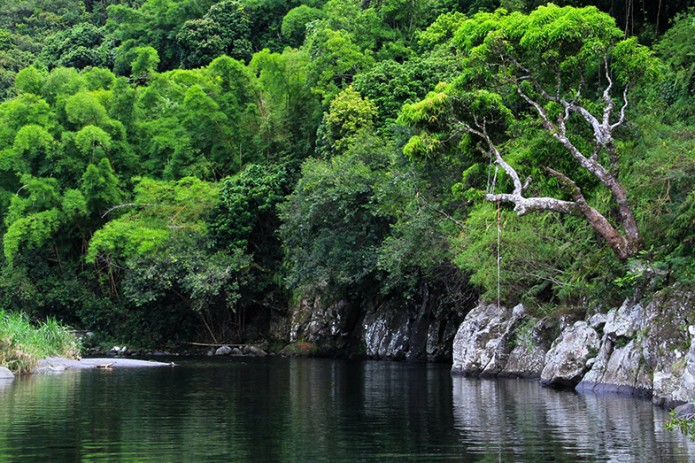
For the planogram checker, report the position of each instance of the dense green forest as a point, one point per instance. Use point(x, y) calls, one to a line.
point(181, 170)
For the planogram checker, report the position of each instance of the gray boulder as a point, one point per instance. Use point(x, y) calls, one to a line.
point(568, 358)
point(253, 350)
point(670, 347)
point(527, 358)
point(49, 368)
point(618, 369)
point(625, 322)
point(224, 350)
point(642, 348)
point(620, 365)
point(317, 320)
point(686, 411)
point(386, 334)
point(5, 373)
point(482, 345)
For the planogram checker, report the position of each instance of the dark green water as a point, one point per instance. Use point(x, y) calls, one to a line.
point(303, 410)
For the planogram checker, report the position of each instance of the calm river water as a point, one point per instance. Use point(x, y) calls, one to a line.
point(309, 410)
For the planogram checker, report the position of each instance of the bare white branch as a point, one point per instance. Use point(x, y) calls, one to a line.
point(527, 183)
point(125, 205)
point(509, 170)
point(622, 111)
point(524, 205)
point(607, 100)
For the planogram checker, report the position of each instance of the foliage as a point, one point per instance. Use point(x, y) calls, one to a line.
point(177, 170)
point(389, 84)
point(33, 221)
point(685, 424)
point(542, 259)
point(288, 104)
point(675, 48)
point(189, 280)
point(80, 46)
point(23, 345)
point(224, 30)
point(162, 209)
point(335, 60)
point(347, 116)
point(538, 70)
point(295, 23)
point(245, 216)
point(661, 175)
point(331, 222)
point(154, 24)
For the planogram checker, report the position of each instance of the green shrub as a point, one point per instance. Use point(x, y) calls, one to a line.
point(22, 344)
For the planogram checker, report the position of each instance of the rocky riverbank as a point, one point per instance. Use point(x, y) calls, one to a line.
point(417, 328)
point(643, 348)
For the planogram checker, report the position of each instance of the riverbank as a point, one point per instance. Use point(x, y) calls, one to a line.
point(23, 344)
point(644, 348)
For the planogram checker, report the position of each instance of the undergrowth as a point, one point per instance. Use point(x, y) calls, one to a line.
point(23, 344)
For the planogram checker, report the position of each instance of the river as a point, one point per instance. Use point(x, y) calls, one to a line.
point(316, 410)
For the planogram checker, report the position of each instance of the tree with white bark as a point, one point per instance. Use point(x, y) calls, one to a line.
point(565, 71)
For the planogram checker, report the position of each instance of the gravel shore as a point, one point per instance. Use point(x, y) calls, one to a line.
point(57, 364)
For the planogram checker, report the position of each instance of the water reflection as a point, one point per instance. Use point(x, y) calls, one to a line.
point(308, 410)
point(516, 420)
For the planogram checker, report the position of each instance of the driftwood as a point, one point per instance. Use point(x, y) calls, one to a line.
point(104, 366)
point(205, 344)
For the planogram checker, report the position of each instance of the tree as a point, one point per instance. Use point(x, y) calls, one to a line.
point(77, 47)
point(295, 22)
point(93, 143)
point(539, 72)
point(288, 108)
point(348, 114)
point(60, 83)
point(390, 84)
point(407, 15)
point(199, 43)
point(30, 80)
point(335, 60)
point(23, 110)
point(223, 30)
point(35, 146)
point(676, 49)
point(153, 24)
point(84, 109)
point(33, 221)
point(159, 256)
point(145, 63)
point(266, 21)
point(332, 223)
point(246, 216)
point(245, 222)
point(99, 187)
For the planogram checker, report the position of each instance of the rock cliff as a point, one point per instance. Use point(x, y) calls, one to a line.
point(642, 348)
point(418, 328)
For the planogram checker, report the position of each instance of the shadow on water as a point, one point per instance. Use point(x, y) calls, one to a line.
point(311, 410)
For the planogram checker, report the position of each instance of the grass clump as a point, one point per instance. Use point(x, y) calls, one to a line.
point(23, 344)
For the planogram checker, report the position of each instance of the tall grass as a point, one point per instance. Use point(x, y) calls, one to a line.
point(22, 344)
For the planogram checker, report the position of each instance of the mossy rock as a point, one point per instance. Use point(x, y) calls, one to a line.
point(299, 349)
